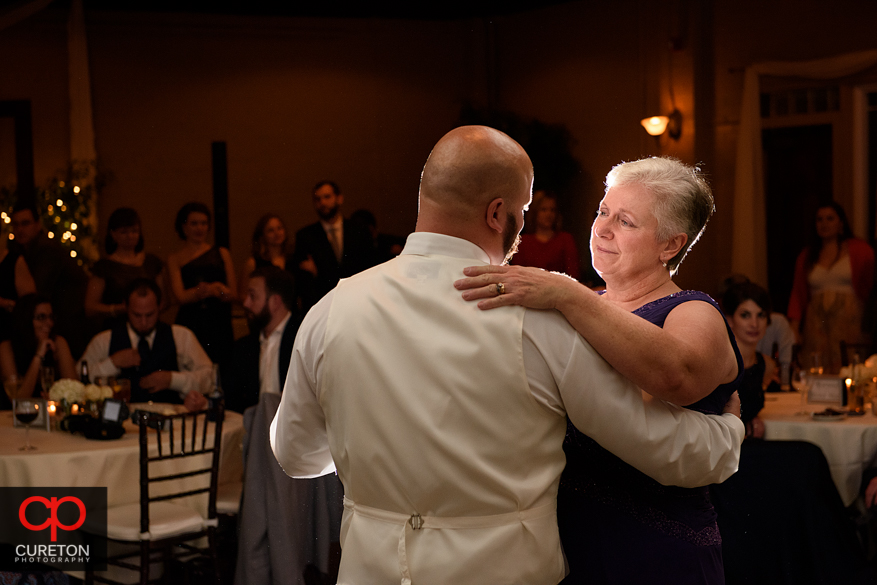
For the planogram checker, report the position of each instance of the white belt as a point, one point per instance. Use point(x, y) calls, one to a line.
point(418, 522)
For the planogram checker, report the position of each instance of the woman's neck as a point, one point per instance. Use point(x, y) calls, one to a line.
point(632, 293)
point(749, 352)
point(544, 234)
point(125, 255)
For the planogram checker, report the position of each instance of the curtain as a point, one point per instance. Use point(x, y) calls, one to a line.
point(749, 240)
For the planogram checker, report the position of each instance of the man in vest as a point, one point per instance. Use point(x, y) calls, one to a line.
point(165, 363)
point(445, 422)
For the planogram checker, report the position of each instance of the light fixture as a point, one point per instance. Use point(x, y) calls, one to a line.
point(657, 125)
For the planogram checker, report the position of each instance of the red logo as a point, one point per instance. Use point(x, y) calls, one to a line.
point(53, 521)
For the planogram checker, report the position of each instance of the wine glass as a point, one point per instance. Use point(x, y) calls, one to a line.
point(26, 412)
point(47, 378)
point(801, 383)
point(11, 385)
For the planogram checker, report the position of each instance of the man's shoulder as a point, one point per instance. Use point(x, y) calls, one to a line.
point(310, 229)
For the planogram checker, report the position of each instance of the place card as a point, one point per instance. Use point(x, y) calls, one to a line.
point(825, 388)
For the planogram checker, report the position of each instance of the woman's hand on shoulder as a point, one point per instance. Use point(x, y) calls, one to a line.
point(516, 285)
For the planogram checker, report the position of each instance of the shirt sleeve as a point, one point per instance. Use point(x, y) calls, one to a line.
point(673, 445)
point(196, 369)
point(298, 432)
point(97, 356)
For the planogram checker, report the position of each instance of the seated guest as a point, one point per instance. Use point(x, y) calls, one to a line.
point(125, 261)
point(15, 282)
point(261, 359)
point(33, 344)
point(56, 274)
point(270, 247)
point(164, 362)
point(781, 517)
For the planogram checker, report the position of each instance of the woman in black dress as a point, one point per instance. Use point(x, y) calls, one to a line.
point(270, 248)
point(125, 262)
point(202, 280)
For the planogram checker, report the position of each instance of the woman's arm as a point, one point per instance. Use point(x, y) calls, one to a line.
point(181, 294)
point(24, 282)
point(7, 360)
point(64, 359)
point(228, 289)
point(93, 294)
point(682, 362)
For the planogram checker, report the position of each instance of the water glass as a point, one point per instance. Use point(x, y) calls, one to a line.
point(47, 378)
point(801, 383)
point(12, 385)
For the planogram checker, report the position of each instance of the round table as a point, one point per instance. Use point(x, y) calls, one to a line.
point(64, 460)
point(849, 445)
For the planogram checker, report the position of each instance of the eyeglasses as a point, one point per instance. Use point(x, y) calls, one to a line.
point(43, 317)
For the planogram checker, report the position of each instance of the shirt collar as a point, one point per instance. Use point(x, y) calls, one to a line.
point(135, 337)
point(429, 243)
point(339, 221)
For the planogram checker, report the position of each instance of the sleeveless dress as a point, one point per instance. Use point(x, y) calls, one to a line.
point(118, 275)
point(210, 318)
point(619, 526)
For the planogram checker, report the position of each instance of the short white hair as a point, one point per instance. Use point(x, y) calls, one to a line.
point(683, 199)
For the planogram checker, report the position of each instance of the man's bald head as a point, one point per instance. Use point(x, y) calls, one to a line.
point(471, 166)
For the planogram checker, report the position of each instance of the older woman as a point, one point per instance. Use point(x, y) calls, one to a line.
point(618, 525)
point(833, 280)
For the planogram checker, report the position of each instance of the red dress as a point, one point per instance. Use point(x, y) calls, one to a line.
point(559, 254)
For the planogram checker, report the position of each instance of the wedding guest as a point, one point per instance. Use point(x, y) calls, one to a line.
point(56, 274)
point(617, 524)
point(125, 261)
point(542, 244)
point(781, 517)
point(328, 250)
point(32, 345)
point(833, 279)
point(165, 363)
point(15, 282)
point(270, 247)
point(203, 281)
point(261, 359)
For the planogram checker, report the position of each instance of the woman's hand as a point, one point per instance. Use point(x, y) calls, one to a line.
point(44, 346)
point(530, 287)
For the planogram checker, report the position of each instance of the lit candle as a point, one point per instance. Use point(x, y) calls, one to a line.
point(74, 409)
point(52, 407)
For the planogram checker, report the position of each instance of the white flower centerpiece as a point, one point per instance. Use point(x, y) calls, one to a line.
point(77, 398)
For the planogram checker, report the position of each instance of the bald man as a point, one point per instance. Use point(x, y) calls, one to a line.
point(444, 422)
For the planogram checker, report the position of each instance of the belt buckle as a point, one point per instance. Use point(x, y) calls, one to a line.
point(416, 521)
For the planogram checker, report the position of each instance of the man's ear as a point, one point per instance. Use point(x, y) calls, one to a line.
point(674, 245)
point(274, 303)
point(339, 199)
point(495, 215)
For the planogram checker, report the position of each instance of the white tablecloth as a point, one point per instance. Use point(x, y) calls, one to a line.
point(849, 445)
point(65, 460)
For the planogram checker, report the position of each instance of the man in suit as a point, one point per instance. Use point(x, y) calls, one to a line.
point(261, 359)
point(165, 363)
point(445, 423)
point(328, 250)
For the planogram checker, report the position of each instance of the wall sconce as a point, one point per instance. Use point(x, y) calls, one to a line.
point(657, 125)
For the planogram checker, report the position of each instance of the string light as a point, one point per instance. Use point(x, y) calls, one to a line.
point(73, 253)
point(72, 238)
point(57, 219)
point(59, 203)
point(7, 219)
point(60, 183)
point(51, 235)
point(63, 208)
point(73, 226)
point(76, 189)
point(11, 236)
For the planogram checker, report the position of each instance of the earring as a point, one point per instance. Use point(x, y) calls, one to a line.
point(664, 264)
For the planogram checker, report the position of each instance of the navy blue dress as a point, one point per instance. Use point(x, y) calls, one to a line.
point(619, 526)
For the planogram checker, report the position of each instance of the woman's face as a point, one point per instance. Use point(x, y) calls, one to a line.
point(749, 322)
point(43, 321)
point(196, 227)
point(274, 232)
point(828, 224)
point(126, 237)
point(624, 235)
point(547, 214)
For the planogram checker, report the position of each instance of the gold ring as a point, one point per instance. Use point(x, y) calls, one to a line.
point(500, 288)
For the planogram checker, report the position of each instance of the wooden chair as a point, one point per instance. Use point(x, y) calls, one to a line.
point(156, 523)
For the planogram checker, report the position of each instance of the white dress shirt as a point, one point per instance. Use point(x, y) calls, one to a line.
point(196, 369)
point(269, 352)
